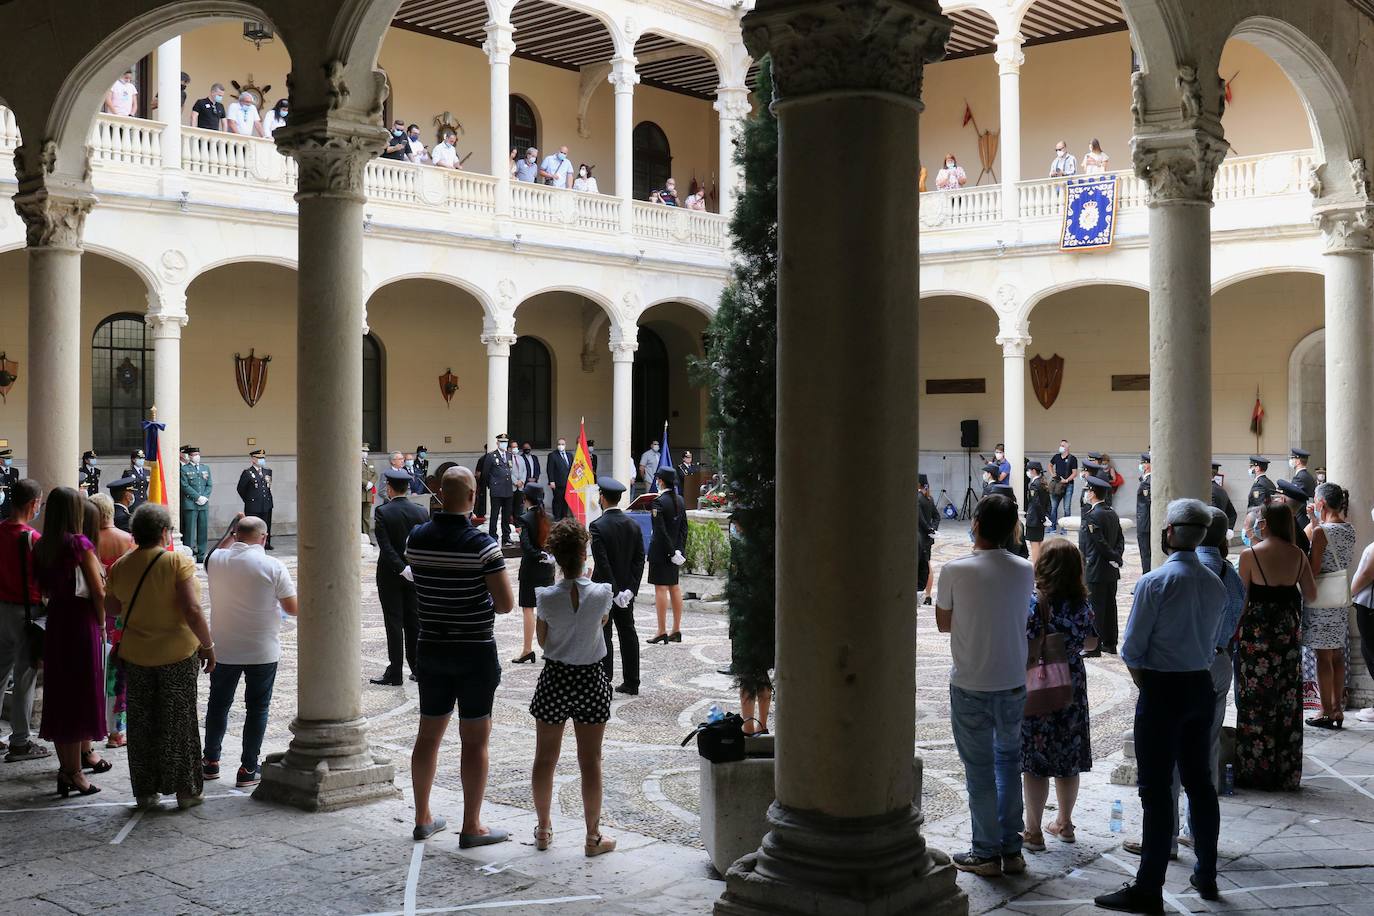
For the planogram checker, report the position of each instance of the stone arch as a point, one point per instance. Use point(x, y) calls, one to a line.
point(483, 298)
point(696, 304)
point(141, 270)
point(1307, 395)
point(601, 299)
point(247, 258)
point(1023, 313)
point(957, 294)
point(1265, 271)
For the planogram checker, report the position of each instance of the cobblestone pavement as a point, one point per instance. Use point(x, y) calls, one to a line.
point(235, 855)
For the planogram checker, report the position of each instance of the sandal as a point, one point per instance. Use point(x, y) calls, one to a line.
point(543, 838)
point(1033, 842)
point(117, 739)
point(598, 845)
point(1062, 834)
point(98, 765)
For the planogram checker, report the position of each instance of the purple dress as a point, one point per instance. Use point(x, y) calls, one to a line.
point(73, 654)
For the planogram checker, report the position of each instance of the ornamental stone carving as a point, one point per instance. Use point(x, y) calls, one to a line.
point(1359, 178)
point(505, 295)
point(1190, 94)
point(1349, 231)
point(623, 76)
point(629, 303)
point(500, 43)
point(332, 155)
point(172, 265)
point(1014, 345)
point(878, 46)
point(1179, 167)
point(499, 344)
point(53, 219)
point(732, 102)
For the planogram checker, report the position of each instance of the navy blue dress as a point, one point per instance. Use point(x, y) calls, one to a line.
point(1058, 743)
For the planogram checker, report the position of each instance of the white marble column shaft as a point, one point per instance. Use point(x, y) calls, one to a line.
point(1009, 60)
point(623, 77)
point(169, 102)
point(166, 317)
point(499, 47)
point(1014, 408)
point(732, 103)
point(498, 382)
point(622, 449)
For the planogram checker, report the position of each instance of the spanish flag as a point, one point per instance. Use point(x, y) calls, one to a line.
point(580, 477)
point(152, 453)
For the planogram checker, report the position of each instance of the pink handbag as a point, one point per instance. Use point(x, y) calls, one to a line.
point(1049, 685)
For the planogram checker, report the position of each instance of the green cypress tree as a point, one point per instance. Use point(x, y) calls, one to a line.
point(740, 370)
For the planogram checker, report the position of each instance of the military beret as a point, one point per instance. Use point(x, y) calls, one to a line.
point(1292, 491)
point(1095, 456)
point(1092, 466)
point(667, 475)
point(137, 453)
point(397, 475)
point(534, 491)
point(1004, 489)
point(610, 485)
point(1301, 453)
point(6, 453)
point(1259, 460)
point(1216, 464)
point(191, 449)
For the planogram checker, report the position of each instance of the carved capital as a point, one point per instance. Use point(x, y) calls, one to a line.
point(1014, 346)
point(1347, 231)
point(331, 155)
point(166, 325)
point(500, 43)
point(54, 217)
point(1008, 55)
point(876, 46)
point(623, 351)
point(499, 344)
point(732, 102)
point(623, 76)
point(1179, 166)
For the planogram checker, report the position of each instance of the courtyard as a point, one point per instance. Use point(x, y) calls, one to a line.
point(1311, 852)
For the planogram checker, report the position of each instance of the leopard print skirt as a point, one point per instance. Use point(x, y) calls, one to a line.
point(164, 731)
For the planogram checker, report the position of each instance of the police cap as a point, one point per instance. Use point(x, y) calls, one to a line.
point(397, 476)
point(1259, 461)
point(1292, 491)
point(610, 485)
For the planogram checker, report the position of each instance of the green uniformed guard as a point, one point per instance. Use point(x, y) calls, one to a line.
point(369, 492)
point(195, 502)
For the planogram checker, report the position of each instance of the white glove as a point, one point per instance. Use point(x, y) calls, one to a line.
point(678, 558)
point(1230, 534)
point(623, 599)
point(407, 574)
point(202, 500)
point(546, 557)
point(1113, 565)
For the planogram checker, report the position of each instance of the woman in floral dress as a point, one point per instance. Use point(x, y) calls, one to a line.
point(1058, 744)
point(1324, 629)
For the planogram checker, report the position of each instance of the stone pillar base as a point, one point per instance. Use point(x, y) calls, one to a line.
point(328, 766)
point(813, 863)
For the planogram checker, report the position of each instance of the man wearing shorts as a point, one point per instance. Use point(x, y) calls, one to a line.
point(461, 584)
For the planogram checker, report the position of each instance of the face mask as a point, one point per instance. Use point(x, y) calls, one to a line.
point(421, 454)
point(1217, 480)
point(591, 448)
point(9, 462)
point(1140, 468)
point(530, 159)
point(1030, 475)
point(987, 478)
point(561, 157)
point(655, 448)
point(582, 173)
point(949, 165)
point(1245, 538)
point(1254, 472)
point(409, 465)
point(195, 459)
point(1063, 449)
point(219, 98)
point(1292, 462)
point(1164, 542)
point(138, 462)
point(262, 462)
point(90, 462)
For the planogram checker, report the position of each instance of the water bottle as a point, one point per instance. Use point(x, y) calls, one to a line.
point(1228, 784)
point(715, 713)
point(1117, 812)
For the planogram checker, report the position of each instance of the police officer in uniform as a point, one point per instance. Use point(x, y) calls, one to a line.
point(1142, 513)
point(1261, 488)
point(1091, 468)
point(1296, 498)
point(139, 473)
point(369, 491)
point(928, 521)
point(501, 488)
point(255, 489)
point(617, 549)
point(1302, 477)
point(396, 518)
point(195, 502)
point(1103, 546)
point(88, 477)
point(1220, 498)
point(122, 492)
point(422, 463)
point(990, 472)
point(9, 476)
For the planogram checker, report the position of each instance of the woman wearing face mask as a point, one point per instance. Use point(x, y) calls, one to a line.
point(536, 565)
point(1094, 160)
point(952, 176)
point(1277, 578)
point(1325, 619)
point(1362, 588)
point(665, 555)
point(585, 181)
point(275, 118)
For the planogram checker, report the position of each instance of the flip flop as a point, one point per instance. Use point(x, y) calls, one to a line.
point(490, 838)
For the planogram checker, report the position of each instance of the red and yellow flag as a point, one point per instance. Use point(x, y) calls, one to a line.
point(580, 477)
point(152, 454)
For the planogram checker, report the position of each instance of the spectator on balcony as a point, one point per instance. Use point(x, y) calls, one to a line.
point(527, 169)
point(185, 81)
point(696, 198)
point(445, 155)
point(514, 155)
point(396, 144)
point(921, 181)
point(208, 113)
point(275, 117)
point(1094, 160)
point(556, 170)
point(1064, 164)
point(416, 151)
point(655, 197)
point(122, 99)
point(668, 196)
point(585, 181)
point(242, 115)
point(952, 177)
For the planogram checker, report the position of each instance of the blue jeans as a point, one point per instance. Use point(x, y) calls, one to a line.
point(1065, 499)
point(257, 697)
point(987, 734)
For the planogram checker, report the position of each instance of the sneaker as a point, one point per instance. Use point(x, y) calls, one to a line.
point(209, 769)
point(1366, 714)
point(1014, 865)
point(247, 777)
point(1132, 898)
point(32, 750)
point(1134, 847)
point(990, 867)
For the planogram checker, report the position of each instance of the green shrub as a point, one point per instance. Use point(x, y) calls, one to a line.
point(708, 549)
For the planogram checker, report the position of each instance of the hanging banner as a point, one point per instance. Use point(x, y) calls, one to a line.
point(1089, 212)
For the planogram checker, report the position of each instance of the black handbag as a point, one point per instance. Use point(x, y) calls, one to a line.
point(721, 741)
point(33, 630)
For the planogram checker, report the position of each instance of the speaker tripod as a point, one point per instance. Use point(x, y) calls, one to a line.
point(970, 498)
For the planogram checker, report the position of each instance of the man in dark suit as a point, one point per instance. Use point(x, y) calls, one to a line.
point(1220, 498)
point(1302, 477)
point(395, 519)
point(501, 488)
point(122, 492)
point(618, 552)
point(255, 489)
point(479, 473)
point(1103, 547)
point(559, 464)
point(928, 521)
point(529, 463)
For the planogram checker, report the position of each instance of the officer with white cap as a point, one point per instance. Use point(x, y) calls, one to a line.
point(618, 552)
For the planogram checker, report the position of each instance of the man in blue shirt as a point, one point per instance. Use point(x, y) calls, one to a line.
point(1169, 649)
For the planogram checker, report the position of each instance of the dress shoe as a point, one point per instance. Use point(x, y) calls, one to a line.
point(1132, 898)
point(387, 679)
point(675, 636)
point(627, 689)
point(1207, 890)
point(660, 638)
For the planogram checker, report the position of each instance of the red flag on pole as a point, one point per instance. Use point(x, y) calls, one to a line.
point(1257, 416)
point(580, 477)
point(968, 115)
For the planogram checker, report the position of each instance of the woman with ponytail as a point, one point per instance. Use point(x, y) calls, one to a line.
point(536, 565)
point(1325, 621)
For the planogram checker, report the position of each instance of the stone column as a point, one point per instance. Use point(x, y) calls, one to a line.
point(1349, 237)
point(732, 102)
point(1009, 60)
point(500, 45)
point(1014, 406)
point(622, 449)
point(1178, 167)
point(499, 342)
point(169, 101)
point(623, 77)
point(329, 763)
point(845, 828)
point(54, 215)
point(166, 317)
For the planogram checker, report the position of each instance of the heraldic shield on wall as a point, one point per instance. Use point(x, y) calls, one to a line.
point(448, 386)
point(251, 373)
point(1047, 377)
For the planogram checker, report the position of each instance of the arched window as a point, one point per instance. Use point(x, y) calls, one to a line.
point(372, 394)
point(529, 417)
point(121, 384)
point(650, 400)
point(653, 160)
point(524, 129)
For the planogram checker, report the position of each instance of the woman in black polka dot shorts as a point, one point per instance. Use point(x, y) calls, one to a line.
point(573, 685)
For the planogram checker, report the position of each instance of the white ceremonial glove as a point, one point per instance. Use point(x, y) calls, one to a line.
point(1113, 565)
point(1230, 534)
point(546, 557)
point(678, 558)
point(623, 599)
point(202, 500)
point(407, 574)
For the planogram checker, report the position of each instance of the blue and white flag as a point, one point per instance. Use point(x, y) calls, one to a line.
point(1089, 212)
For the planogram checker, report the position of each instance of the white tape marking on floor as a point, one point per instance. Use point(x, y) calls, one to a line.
point(490, 905)
point(1345, 779)
point(1169, 898)
point(413, 878)
point(1234, 890)
point(127, 828)
point(232, 793)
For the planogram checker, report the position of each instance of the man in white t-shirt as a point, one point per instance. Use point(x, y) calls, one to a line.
point(122, 98)
point(246, 589)
point(982, 602)
point(242, 115)
point(445, 155)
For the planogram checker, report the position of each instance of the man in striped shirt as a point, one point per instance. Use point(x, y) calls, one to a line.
point(461, 584)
